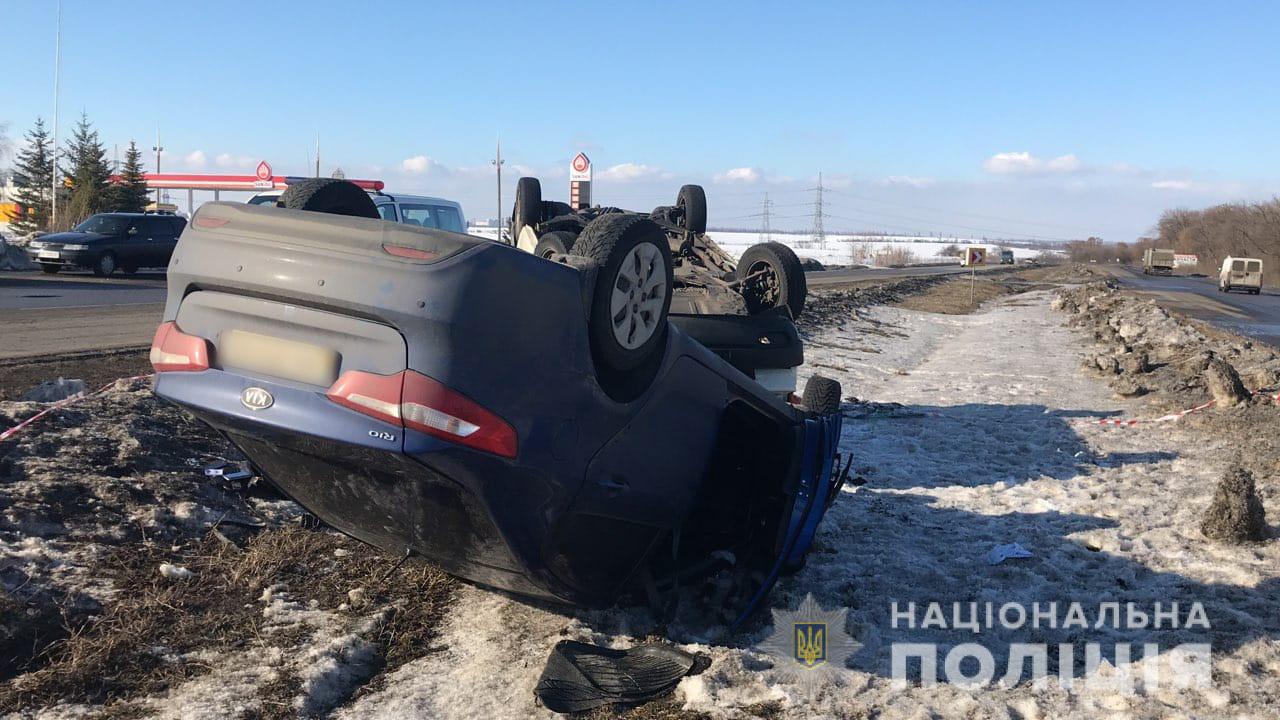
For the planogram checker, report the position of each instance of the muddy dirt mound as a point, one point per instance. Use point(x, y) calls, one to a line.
point(126, 572)
point(1147, 350)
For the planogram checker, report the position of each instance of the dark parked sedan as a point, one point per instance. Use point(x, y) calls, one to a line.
point(108, 242)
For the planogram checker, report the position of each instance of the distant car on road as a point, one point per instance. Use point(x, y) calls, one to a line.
point(1006, 257)
point(417, 210)
point(1240, 274)
point(108, 242)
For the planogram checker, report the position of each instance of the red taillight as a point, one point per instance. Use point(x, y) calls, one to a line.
point(432, 408)
point(403, 251)
point(175, 351)
point(376, 395)
point(415, 401)
point(210, 222)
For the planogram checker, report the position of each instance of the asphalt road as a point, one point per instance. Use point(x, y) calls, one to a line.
point(1257, 316)
point(840, 277)
point(43, 315)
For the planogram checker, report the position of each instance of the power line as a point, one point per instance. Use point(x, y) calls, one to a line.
point(764, 218)
point(819, 233)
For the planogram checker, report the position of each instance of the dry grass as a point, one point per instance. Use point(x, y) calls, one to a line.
point(136, 646)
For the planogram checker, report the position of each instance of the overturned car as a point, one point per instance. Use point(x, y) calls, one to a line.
point(707, 279)
point(540, 427)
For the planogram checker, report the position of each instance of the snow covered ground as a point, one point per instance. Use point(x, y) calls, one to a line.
point(841, 249)
point(988, 447)
point(972, 431)
point(860, 249)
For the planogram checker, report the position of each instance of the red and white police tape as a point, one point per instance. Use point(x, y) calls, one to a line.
point(1130, 422)
point(64, 403)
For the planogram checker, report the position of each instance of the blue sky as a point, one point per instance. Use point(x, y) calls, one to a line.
point(1013, 118)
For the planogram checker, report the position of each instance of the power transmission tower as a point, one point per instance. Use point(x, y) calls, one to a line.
point(765, 233)
point(819, 233)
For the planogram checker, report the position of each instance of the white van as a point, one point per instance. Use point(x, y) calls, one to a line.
point(1240, 273)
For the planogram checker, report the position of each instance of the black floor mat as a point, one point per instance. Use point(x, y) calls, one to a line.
point(579, 676)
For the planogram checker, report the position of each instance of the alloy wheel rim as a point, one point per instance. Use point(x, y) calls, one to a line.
point(639, 289)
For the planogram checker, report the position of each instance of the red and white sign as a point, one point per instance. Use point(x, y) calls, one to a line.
point(974, 256)
point(1185, 260)
point(580, 168)
point(265, 178)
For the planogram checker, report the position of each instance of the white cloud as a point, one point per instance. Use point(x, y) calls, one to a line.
point(227, 160)
point(419, 164)
point(626, 172)
point(738, 175)
point(909, 180)
point(1024, 163)
point(1172, 184)
point(195, 159)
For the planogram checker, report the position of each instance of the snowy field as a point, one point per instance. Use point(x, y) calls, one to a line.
point(843, 249)
point(861, 249)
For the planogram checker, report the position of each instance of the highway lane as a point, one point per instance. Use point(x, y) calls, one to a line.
point(42, 315)
point(34, 290)
point(1257, 316)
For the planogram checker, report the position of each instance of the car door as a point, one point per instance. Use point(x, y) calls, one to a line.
point(133, 246)
point(166, 242)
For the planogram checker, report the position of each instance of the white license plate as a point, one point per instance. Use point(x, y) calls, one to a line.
point(278, 357)
point(48, 255)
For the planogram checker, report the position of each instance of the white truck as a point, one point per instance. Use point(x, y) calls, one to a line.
point(1240, 274)
point(1157, 261)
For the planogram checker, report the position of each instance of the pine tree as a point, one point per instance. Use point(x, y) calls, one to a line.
point(90, 173)
point(129, 194)
point(33, 174)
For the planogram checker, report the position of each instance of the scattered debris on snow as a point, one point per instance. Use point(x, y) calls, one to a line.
point(175, 572)
point(55, 390)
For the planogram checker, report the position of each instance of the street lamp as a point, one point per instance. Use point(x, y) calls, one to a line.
point(497, 163)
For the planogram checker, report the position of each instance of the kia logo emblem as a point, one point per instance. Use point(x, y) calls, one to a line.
point(255, 398)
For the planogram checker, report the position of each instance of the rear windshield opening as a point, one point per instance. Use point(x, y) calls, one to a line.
point(1255, 267)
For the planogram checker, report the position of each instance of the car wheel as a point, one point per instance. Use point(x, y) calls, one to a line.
point(554, 209)
point(48, 269)
point(552, 243)
point(821, 395)
point(632, 296)
point(105, 265)
point(528, 208)
point(771, 276)
point(693, 200)
point(329, 195)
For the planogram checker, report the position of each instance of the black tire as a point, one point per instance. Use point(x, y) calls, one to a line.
point(105, 265)
point(609, 240)
point(554, 209)
point(329, 195)
point(693, 200)
point(528, 207)
point(821, 395)
point(772, 276)
point(554, 242)
point(49, 269)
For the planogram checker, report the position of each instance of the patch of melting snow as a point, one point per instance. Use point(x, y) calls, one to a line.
point(983, 452)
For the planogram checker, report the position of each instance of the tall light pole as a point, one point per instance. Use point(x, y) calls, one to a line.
point(497, 163)
point(57, 77)
point(158, 149)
